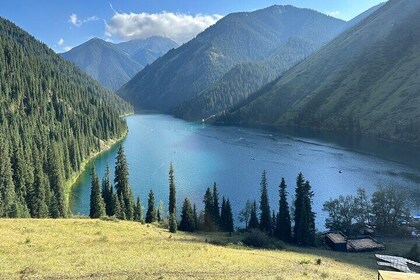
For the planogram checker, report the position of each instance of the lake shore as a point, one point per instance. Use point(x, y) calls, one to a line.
point(105, 146)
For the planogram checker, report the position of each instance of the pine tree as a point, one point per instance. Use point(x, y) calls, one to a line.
point(223, 218)
point(283, 228)
point(208, 211)
point(151, 212)
point(304, 229)
point(187, 217)
point(216, 213)
point(138, 211)
point(172, 191)
point(107, 192)
point(38, 195)
point(122, 184)
point(172, 223)
point(57, 204)
point(97, 206)
point(117, 211)
point(265, 217)
point(253, 220)
point(229, 217)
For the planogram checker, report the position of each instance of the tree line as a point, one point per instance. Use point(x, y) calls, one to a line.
point(118, 201)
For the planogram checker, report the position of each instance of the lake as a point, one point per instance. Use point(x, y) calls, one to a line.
point(235, 157)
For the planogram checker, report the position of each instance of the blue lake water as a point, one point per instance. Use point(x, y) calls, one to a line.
point(235, 157)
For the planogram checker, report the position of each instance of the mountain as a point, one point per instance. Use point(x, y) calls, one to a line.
point(238, 38)
point(145, 51)
point(115, 64)
point(365, 81)
point(52, 118)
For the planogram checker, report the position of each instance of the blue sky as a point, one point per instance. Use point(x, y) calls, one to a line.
point(64, 24)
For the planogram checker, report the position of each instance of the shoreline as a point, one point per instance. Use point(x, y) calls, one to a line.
point(105, 146)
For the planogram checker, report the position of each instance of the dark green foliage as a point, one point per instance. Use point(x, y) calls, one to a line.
point(172, 223)
point(151, 211)
point(52, 117)
point(97, 206)
point(122, 184)
point(265, 218)
point(172, 191)
point(226, 216)
point(199, 65)
point(414, 253)
point(115, 64)
point(389, 206)
point(363, 82)
point(107, 193)
point(304, 229)
point(259, 239)
point(342, 213)
point(187, 217)
point(283, 228)
point(117, 210)
point(138, 211)
point(208, 223)
point(253, 220)
point(216, 209)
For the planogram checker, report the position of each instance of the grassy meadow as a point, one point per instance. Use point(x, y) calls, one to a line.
point(96, 249)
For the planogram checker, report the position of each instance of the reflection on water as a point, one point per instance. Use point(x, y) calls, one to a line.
point(235, 157)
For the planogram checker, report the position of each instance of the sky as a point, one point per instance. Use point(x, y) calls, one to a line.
point(63, 24)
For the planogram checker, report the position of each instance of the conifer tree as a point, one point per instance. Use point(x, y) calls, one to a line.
point(208, 211)
point(265, 217)
point(187, 217)
point(117, 211)
point(38, 195)
point(216, 213)
point(253, 220)
point(58, 207)
point(172, 223)
point(304, 229)
point(172, 190)
point(283, 227)
point(229, 217)
point(138, 211)
point(151, 212)
point(107, 192)
point(122, 184)
point(223, 212)
point(97, 206)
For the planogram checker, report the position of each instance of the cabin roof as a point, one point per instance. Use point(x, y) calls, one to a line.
point(337, 237)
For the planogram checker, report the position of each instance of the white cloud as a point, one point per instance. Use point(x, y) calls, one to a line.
point(333, 13)
point(60, 42)
point(73, 19)
point(178, 27)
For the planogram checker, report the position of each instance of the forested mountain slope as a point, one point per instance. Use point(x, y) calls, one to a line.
point(196, 66)
point(52, 117)
point(365, 81)
point(115, 64)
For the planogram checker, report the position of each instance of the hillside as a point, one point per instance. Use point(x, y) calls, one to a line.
point(52, 117)
point(114, 64)
point(94, 249)
point(365, 81)
point(245, 37)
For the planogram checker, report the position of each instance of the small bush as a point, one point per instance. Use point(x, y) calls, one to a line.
point(318, 261)
point(259, 239)
point(305, 262)
point(110, 219)
point(414, 253)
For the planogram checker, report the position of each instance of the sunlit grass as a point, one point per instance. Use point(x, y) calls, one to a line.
point(83, 248)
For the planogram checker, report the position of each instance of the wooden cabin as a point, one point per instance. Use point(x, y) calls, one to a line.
point(336, 241)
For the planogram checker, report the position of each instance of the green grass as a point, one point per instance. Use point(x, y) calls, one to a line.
point(84, 248)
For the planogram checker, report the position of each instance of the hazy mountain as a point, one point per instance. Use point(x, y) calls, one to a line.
point(145, 51)
point(115, 64)
point(366, 80)
point(238, 38)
